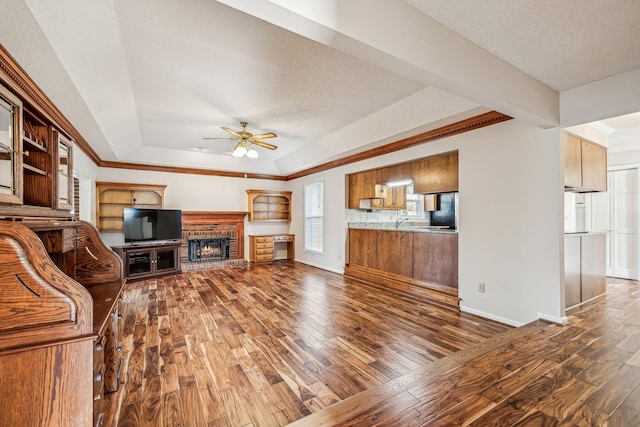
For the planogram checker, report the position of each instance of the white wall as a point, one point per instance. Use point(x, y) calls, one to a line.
point(199, 193)
point(511, 229)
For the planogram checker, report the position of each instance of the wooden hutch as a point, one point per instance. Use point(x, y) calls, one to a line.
point(59, 283)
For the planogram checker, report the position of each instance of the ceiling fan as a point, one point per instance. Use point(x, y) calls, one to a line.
point(246, 141)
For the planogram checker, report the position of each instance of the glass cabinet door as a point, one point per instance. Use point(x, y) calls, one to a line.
point(65, 174)
point(10, 184)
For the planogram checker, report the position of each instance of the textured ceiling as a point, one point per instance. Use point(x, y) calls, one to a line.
point(146, 81)
point(564, 44)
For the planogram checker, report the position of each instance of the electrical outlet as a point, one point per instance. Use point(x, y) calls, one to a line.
point(481, 287)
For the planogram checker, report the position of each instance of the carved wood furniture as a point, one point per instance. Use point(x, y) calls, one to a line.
point(59, 283)
point(59, 342)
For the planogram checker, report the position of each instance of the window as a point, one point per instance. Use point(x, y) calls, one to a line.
point(415, 203)
point(313, 216)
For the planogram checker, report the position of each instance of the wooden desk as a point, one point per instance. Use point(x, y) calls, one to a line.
point(264, 248)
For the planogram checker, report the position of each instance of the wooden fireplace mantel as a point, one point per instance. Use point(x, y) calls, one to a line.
point(213, 216)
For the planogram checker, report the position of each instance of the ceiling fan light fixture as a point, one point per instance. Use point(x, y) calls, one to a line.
point(252, 153)
point(240, 150)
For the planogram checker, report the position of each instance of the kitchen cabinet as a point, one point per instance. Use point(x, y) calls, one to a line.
point(438, 260)
point(143, 261)
point(362, 185)
point(431, 175)
point(585, 165)
point(394, 252)
point(585, 267)
point(421, 264)
point(390, 197)
point(398, 172)
point(389, 251)
point(436, 174)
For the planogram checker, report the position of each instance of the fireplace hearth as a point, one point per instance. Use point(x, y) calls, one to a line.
point(211, 248)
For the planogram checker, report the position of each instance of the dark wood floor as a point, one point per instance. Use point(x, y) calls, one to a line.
point(269, 345)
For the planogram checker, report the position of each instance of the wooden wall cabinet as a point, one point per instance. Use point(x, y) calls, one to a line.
point(269, 205)
point(431, 175)
point(362, 185)
point(34, 154)
point(388, 197)
point(585, 165)
point(149, 260)
point(585, 267)
point(436, 174)
point(113, 197)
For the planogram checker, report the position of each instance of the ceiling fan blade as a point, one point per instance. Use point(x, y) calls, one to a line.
point(231, 131)
point(228, 139)
point(264, 145)
point(265, 135)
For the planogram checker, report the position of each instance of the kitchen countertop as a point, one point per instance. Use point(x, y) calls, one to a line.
point(408, 226)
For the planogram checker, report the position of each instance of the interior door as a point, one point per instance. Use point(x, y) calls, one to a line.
point(624, 241)
point(601, 217)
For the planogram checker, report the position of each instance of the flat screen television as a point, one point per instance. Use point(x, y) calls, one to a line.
point(147, 225)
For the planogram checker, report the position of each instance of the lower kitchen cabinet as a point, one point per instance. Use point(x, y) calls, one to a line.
point(584, 267)
point(441, 263)
point(421, 264)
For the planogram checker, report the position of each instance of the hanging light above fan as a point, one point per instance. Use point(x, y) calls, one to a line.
point(247, 141)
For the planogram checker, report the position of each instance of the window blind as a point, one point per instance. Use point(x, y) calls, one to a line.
point(313, 216)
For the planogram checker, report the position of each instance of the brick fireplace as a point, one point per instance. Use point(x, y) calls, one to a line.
point(201, 230)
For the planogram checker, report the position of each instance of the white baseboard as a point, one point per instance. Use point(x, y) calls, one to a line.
point(491, 316)
point(564, 320)
point(322, 267)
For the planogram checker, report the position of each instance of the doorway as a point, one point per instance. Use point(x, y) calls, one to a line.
point(615, 212)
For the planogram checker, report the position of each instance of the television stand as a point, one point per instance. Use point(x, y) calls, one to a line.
point(145, 260)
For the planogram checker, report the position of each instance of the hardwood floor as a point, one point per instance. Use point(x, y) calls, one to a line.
point(286, 343)
point(269, 344)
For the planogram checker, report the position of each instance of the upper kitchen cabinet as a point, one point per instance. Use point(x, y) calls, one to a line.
point(362, 185)
point(585, 165)
point(436, 174)
point(395, 173)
